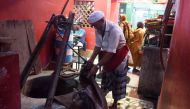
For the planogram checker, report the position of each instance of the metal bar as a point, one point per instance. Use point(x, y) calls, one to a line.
point(77, 53)
point(163, 29)
point(36, 52)
point(60, 61)
point(64, 7)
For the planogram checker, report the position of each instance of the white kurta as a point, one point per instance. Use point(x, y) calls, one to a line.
point(113, 38)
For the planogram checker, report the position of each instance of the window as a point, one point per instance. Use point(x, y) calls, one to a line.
point(83, 9)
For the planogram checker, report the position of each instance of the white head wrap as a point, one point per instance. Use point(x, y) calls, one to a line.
point(95, 16)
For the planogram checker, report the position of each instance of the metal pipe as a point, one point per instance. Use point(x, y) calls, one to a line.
point(77, 54)
point(59, 64)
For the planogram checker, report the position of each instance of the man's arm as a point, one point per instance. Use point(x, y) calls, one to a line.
point(94, 54)
point(106, 58)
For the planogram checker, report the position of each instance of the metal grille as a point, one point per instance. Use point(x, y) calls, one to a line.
point(83, 9)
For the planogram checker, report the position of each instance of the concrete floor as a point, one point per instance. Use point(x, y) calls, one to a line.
point(131, 101)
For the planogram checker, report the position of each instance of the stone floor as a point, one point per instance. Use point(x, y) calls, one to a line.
point(132, 100)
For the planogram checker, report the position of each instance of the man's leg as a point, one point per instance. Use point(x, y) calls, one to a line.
point(106, 83)
point(119, 84)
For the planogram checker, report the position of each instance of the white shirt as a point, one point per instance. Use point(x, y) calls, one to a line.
point(113, 38)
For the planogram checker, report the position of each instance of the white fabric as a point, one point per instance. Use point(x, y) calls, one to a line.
point(113, 38)
point(95, 16)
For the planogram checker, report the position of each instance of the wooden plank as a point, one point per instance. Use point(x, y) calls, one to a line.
point(20, 45)
point(23, 39)
point(32, 44)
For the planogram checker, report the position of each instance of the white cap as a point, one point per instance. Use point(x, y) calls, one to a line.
point(95, 16)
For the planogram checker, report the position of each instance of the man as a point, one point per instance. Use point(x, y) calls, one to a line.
point(79, 34)
point(136, 46)
point(127, 31)
point(111, 44)
point(126, 27)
